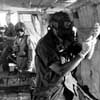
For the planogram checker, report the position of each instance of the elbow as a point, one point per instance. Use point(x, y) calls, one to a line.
point(55, 68)
point(58, 69)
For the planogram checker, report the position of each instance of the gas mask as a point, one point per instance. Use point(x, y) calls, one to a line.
point(61, 22)
point(65, 31)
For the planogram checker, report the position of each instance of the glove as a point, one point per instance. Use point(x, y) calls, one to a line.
point(86, 47)
point(90, 54)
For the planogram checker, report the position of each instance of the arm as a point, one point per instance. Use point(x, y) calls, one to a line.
point(61, 69)
point(69, 66)
point(8, 37)
point(93, 39)
point(50, 58)
point(31, 54)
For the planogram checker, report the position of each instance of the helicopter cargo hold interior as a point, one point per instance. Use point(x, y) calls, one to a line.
point(34, 14)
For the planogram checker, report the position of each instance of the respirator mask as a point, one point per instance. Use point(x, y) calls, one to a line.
point(65, 31)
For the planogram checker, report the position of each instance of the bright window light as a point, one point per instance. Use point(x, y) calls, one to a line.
point(3, 18)
point(14, 18)
point(71, 1)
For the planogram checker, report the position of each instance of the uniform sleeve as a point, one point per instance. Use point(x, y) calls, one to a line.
point(47, 55)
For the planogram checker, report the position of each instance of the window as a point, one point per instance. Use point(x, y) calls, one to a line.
point(3, 18)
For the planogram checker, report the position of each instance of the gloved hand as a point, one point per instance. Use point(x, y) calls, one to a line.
point(86, 47)
point(93, 43)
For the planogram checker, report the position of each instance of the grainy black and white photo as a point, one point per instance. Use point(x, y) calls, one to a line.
point(49, 49)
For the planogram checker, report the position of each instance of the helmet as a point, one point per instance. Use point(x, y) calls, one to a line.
point(20, 27)
point(63, 25)
point(57, 20)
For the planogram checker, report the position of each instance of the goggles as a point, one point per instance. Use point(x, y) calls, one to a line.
point(20, 30)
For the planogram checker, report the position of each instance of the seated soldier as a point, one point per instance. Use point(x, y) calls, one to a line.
point(23, 48)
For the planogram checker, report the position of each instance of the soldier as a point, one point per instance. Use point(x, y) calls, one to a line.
point(56, 58)
point(23, 48)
